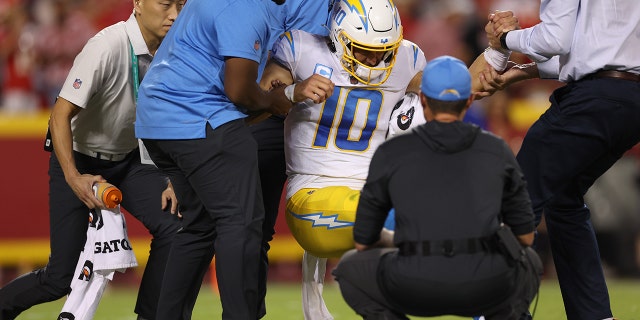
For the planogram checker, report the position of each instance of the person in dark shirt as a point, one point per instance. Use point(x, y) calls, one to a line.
point(453, 186)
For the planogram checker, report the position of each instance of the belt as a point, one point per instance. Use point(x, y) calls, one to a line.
point(449, 247)
point(101, 155)
point(614, 74)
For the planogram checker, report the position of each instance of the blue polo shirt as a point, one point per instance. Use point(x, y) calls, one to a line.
point(307, 15)
point(183, 89)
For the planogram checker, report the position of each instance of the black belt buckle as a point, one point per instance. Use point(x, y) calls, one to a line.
point(447, 248)
point(407, 249)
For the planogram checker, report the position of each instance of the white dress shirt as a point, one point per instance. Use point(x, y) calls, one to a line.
point(578, 37)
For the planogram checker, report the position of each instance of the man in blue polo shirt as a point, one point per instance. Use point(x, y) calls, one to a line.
point(190, 116)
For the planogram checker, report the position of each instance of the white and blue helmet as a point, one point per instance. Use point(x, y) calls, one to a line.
point(372, 25)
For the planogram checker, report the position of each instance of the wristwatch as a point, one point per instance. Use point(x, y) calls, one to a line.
point(503, 40)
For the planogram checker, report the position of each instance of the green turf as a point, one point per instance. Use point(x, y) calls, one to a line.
point(283, 302)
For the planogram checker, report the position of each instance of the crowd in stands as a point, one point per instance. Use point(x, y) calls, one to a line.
point(40, 39)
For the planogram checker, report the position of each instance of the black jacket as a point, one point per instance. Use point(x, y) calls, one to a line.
point(445, 181)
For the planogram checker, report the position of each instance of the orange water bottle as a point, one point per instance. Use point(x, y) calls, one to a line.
point(109, 194)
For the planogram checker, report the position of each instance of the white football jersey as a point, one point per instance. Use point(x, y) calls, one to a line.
point(407, 114)
point(331, 144)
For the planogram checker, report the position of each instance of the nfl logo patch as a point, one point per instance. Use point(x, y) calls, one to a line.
point(77, 84)
point(256, 45)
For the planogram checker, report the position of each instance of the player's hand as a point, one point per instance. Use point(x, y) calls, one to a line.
point(82, 186)
point(317, 88)
point(169, 200)
point(276, 83)
point(362, 247)
point(501, 22)
point(491, 82)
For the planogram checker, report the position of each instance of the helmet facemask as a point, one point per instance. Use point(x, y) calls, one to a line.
point(369, 75)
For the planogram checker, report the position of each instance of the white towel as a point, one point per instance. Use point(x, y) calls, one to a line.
point(106, 251)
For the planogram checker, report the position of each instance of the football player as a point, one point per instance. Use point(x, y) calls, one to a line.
point(329, 145)
point(330, 136)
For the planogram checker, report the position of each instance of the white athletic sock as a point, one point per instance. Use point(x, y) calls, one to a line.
point(313, 272)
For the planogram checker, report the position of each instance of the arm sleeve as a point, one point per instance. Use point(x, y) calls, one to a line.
point(418, 60)
point(375, 203)
point(549, 69)
point(284, 50)
point(310, 16)
point(517, 212)
point(246, 38)
point(552, 36)
point(87, 75)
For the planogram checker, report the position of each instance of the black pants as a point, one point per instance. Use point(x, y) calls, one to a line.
point(361, 279)
point(588, 127)
point(217, 184)
point(269, 134)
point(142, 186)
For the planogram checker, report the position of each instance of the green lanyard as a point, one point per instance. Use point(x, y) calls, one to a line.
point(134, 71)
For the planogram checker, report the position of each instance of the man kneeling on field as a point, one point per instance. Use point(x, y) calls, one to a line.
point(456, 191)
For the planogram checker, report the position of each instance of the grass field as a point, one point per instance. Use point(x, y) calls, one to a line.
point(283, 303)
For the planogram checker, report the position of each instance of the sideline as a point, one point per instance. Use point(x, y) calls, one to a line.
point(24, 125)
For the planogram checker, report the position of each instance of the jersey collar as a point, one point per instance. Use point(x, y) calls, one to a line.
point(135, 36)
